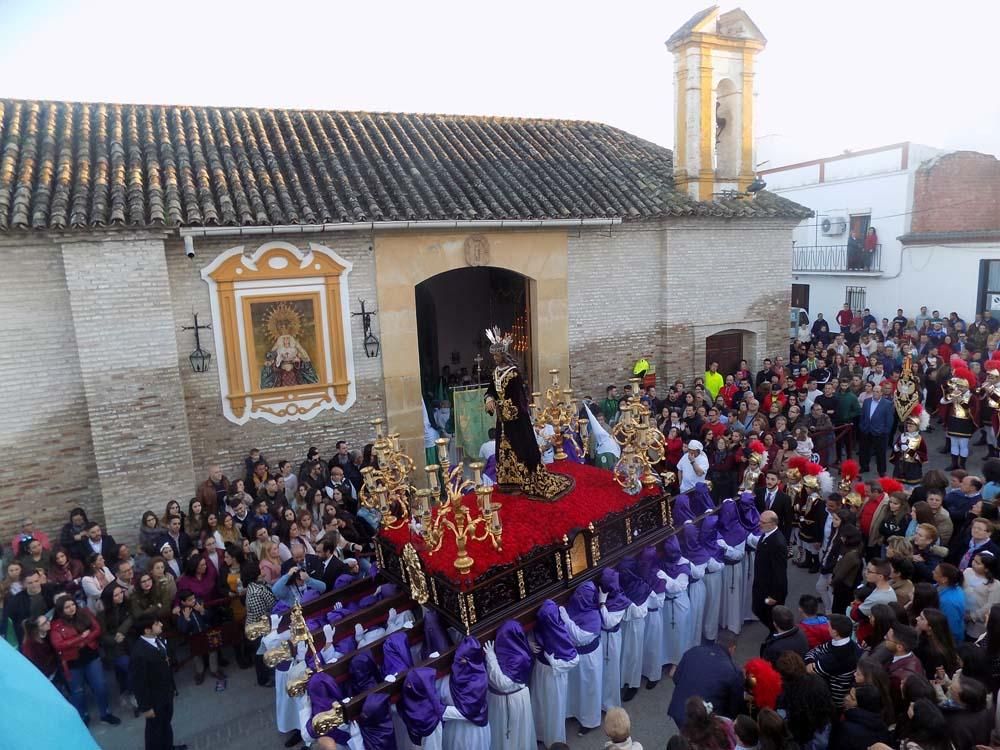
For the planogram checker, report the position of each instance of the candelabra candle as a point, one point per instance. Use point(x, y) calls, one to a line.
point(377, 424)
point(494, 520)
point(477, 472)
point(555, 378)
point(442, 449)
point(536, 399)
point(432, 478)
point(483, 495)
point(395, 441)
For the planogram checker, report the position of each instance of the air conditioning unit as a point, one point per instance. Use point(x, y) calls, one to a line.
point(831, 226)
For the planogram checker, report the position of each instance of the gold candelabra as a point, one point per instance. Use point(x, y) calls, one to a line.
point(387, 488)
point(643, 445)
point(561, 412)
point(452, 515)
point(286, 651)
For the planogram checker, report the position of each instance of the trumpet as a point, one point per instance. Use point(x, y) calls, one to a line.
point(990, 392)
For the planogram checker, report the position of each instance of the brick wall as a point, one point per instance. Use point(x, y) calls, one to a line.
point(48, 462)
point(119, 296)
point(957, 192)
point(659, 289)
point(214, 439)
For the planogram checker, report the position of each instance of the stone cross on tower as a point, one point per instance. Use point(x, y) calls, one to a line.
point(714, 57)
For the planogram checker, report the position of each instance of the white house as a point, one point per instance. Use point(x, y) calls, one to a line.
point(850, 193)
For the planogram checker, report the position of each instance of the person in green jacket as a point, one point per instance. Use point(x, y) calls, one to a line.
point(848, 412)
point(714, 380)
point(609, 406)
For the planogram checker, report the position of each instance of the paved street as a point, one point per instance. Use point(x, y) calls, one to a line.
point(242, 717)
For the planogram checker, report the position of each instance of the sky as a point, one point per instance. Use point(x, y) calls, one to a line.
point(836, 74)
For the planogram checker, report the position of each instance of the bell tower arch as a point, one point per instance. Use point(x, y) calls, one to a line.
point(714, 57)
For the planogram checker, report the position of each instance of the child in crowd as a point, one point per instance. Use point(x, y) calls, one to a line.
point(618, 727)
point(746, 731)
point(814, 624)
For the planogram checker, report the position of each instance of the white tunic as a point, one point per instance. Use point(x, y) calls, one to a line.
point(676, 616)
point(734, 580)
point(509, 705)
point(698, 595)
point(611, 647)
point(459, 732)
point(633, 634)
point(583, 694)
point(548, 698)
point(652, 642)
point(713, 598)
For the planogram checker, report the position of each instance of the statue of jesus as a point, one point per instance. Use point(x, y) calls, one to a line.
point(519, 462)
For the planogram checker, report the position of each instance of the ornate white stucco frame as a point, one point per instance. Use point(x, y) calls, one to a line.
point(275, 270)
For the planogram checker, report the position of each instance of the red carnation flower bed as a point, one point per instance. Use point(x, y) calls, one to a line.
point(528, 524)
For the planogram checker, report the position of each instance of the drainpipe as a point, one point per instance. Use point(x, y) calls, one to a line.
point(371, 226)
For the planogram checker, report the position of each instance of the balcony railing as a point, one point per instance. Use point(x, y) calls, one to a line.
point(836, 258)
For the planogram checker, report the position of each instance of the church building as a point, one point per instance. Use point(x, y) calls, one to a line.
point(181, 284)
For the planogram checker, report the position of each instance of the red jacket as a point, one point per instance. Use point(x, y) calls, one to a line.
point(67, 640)
point(845, 318)
point(867, 514)
point(727, 393)
point(817, 630)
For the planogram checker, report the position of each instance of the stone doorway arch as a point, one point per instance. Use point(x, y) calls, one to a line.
point(404, 260)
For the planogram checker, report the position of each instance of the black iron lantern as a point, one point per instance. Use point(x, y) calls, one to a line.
point(199, 358)
point(371, 342)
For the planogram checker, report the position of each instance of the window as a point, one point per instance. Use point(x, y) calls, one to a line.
point(800, 296)
point(855, 297)
point(989, 286)
point(860, 224)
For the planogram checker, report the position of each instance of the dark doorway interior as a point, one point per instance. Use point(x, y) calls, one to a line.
point(453, 311)
point(726, 348)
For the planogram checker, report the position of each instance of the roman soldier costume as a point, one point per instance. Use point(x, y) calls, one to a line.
point(909, 451)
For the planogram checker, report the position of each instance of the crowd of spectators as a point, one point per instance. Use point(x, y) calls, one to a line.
point(71, 600)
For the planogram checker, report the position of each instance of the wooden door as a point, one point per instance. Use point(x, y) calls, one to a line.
point(726, 348)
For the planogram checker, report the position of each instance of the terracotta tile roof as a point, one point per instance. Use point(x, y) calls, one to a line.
point(71, 165)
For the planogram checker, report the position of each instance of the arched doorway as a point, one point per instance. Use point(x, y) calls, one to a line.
point(726, 348)
point(454, 309)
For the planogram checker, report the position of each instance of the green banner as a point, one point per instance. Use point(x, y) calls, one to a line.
point(472, 423)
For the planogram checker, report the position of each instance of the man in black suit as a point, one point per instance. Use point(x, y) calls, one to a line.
point(787, 636)
point(96, 542)
point(770, 570)
point(152, 681)
point(309, 563)
point(771, 497)
point(331, 566)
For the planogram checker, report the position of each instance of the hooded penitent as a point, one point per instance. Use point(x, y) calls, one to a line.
point(701, 499)
point(708, 535)
point(435, 637)
point(375, 723)
point(730, 527)
point(419, 705)
point(611, 585)
point(672, 562)
point(365, 673)
point(748, 513)
point(468, 684)
point(635, 587)
point(396, 655)
point(584, 609)
point(551, 634)
point(323, 692)
point(513, 652)
point(691, 547)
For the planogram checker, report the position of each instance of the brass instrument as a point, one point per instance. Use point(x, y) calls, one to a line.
point(325, 722)
point(257, 629)
point(643, 445)
point(286, 651)
point(990, 393)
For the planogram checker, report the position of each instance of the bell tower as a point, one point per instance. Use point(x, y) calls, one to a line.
point(714, 55)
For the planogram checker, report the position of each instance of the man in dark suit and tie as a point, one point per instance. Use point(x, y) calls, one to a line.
point(331, 566)
point(771, 497)
point(152, 681)
point(770, 570)
point(309, 563)
point(875, 428)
